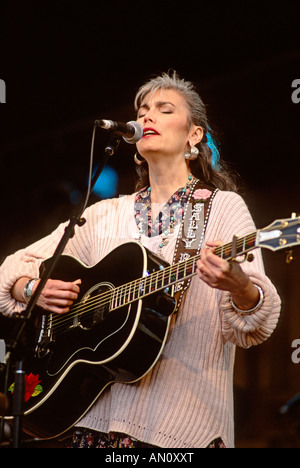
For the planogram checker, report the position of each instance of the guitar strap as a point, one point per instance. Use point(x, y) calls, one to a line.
point(192, 231)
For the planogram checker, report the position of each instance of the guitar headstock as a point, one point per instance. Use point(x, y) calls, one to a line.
point(281, 234)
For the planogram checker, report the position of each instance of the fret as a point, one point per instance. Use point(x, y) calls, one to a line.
point(177, 273)
point(156, 281)
point(123, 297)
point(133, 291)
point(222, 252)
point(165, 281)
point(185, 269)
point(127, 298)
point(173, 274)
point(181, 270)
point(160, 279)
point(228, 251)
point(152, 279)
point(250, 241)
point(147, 283)
point(136, 289)
point(165, 277)
point(192, 267)
point(240, 247)
point(142, 287)
point(113, 298)
point(244, 243)
point(118, 299)
point(195, 263)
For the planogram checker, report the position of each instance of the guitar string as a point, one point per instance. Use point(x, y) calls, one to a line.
point(123, 291)
point(221, 250)
point(117, 295)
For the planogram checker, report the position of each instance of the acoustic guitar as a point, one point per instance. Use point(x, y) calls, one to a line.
point(116, 330)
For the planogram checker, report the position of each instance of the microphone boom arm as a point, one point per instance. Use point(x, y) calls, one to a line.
point(15, 343)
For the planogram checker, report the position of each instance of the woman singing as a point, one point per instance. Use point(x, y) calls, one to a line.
point(186, 399)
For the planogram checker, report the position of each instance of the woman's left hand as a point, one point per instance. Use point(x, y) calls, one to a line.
point(226, 276)
point(219, 273)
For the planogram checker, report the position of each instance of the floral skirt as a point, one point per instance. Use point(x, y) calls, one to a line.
point(87, 438)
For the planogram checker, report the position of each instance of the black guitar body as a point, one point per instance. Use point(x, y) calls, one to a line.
point(116, 330)
point(77, 355)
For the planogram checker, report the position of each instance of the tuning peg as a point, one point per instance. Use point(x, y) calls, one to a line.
point(289, 256)
point(293, 216)
point(250, 257)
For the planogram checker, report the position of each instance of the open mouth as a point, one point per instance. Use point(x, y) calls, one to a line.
point(149, 132)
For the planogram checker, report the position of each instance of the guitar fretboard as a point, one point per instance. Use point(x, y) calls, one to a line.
point(166, 277)
point(239, 246)
point(281, 234)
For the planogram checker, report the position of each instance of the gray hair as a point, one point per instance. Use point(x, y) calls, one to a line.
point(207, 166)
point(196, 107)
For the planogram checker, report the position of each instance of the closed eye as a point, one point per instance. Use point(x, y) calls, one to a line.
point(163, 107)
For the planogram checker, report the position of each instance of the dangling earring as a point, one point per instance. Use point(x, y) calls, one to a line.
point(192, 153)
point(138, 161)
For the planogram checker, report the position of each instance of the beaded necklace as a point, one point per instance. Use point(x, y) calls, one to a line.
point(170, 215)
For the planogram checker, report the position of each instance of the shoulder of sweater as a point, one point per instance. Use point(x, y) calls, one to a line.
point(230, 204)
point(231, 209)
point(227, 199)
point(228, 195)
point(109, 203)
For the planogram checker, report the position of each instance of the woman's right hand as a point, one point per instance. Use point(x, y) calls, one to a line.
point(57, 296)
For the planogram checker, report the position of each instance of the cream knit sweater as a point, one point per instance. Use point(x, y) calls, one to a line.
point(186, 400)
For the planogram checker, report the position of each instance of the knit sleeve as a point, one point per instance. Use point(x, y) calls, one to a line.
point(250, 330)
point(107, 224)
point(247, 330)
point(26, 262)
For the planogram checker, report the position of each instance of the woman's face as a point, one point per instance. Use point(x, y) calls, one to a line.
point(164, 117)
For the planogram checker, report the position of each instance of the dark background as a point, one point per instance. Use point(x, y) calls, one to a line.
point(69, 63)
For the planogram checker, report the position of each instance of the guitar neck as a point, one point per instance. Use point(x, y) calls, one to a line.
point(239, 246)
point(167, 277)
point(187, 268)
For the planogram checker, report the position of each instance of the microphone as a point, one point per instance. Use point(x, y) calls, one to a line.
point(131, 131)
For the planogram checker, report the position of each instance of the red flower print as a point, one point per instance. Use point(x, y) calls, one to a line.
point(32, 387)
point(31, 381)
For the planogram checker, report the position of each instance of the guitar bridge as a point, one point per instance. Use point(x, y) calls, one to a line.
point(45, 338)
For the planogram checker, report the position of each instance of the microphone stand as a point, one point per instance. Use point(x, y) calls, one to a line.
point(16, 347)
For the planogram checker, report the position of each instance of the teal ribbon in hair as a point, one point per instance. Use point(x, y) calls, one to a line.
point(213, 145)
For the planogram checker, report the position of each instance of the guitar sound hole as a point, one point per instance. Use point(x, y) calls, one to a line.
point(96, 305)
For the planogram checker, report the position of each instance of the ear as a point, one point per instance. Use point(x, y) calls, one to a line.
point(195, 135)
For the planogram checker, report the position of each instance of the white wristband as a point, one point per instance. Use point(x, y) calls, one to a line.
point(28, 289)
point(250, 311)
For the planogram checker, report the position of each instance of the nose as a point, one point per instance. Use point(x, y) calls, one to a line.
point(149, 116)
